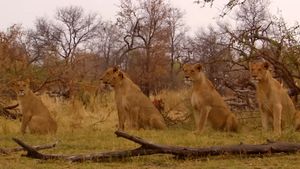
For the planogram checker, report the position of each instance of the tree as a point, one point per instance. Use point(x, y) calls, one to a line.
point(227, 7)
point(72, 29)
point(55, 44)
point(63, 36)
point(108, 43)
point(144, 25)
point(177, 36)
point(253, 34)
point(14, 60)
point(259, 35)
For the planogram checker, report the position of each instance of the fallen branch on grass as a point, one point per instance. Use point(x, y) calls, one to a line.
point(148, 148)
point(5, 112)
point(7, 151)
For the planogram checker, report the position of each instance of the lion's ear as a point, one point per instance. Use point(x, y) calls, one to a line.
point(115, 68)
point(121, 75)
point(266, 65)
point(198, 66)
point(183, 66)
point(13, 82)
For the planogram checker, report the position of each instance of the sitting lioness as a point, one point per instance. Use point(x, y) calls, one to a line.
point(134, 108)
point(207, 102)
point(35, 114)
point(275, 105)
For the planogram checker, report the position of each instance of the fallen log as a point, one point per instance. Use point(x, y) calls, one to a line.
point(97, 157)
point(148, 148)
point(7, 151)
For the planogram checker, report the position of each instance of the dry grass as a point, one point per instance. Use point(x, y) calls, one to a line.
point(84, 130)
point(177, 105)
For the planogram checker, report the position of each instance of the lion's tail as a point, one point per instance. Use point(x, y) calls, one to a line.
point(232, 123)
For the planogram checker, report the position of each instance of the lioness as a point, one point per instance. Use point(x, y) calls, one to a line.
point(207, 102)
point(133, 106)
point(35, 114)
point(275, 105)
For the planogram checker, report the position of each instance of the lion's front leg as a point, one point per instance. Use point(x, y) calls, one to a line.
point(201, 118)
point(134, 118)
point(277, 112)
point(264, 120)
point(25, 120)
point(197, 120)
point(121, 117)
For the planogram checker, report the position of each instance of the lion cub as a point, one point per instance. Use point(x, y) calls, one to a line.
point(35, 114)
point(207, 102)
point(133, 106)
point(275, 105)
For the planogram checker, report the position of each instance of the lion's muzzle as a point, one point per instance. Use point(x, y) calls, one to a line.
point(21, 93)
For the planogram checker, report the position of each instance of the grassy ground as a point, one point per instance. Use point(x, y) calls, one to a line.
point(86, 132)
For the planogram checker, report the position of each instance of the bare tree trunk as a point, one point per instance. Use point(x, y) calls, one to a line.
point(148, 148)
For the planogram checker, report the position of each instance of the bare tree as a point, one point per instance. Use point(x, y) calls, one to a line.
point(228, 7)
point(41, 44)
point(108, 43)
point(177, 36)
point(73, 27)
point(63, 36)
point(145, 28)
point(55, 43)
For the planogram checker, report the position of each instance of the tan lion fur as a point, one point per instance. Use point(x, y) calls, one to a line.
point(134, 108)
point(207, 102)
point(275, 105)
point(35, 114)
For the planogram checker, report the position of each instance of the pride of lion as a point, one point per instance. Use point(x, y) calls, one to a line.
point(136, 111)
point(207, 102)
point(35, 115)
point(276, 107)
point(134, 108)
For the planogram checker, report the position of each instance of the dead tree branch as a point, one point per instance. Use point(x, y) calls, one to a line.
point(7, 151)
point(148, 148)
point(5, 112)
point(11, 107)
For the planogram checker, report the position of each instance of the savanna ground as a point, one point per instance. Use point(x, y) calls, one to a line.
point(87, 131)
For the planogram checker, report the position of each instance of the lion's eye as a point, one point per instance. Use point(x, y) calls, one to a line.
point(192, 71)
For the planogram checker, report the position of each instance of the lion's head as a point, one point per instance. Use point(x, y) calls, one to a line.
point(21, 87)
point(258, 70)
point(112, 76)
point(192, 72)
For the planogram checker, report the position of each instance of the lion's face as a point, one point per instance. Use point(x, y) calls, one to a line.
point(192, 71)
point(21, 88)
point(258, 70)
point(112, 76)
